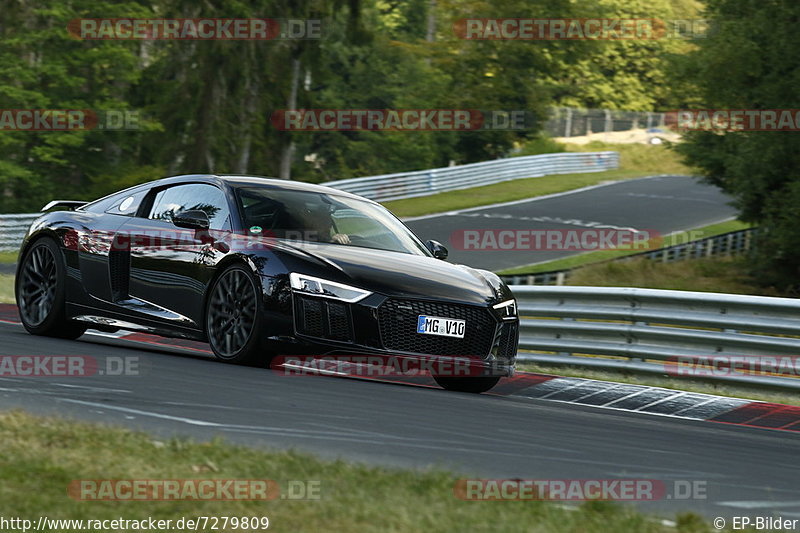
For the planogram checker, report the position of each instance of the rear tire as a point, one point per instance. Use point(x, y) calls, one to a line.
point(234, 318)
point(40, 290)
point(473, 385)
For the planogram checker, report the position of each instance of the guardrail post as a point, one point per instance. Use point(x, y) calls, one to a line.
point(566, 319)
point(568, 124)
point(631, 338)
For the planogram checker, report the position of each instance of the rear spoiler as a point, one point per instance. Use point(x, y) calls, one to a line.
point(70, 204)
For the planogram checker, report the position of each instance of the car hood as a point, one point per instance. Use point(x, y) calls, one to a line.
point(399, 274)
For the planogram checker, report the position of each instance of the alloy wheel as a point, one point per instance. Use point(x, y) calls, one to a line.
point(231, 312)
point(38, 285)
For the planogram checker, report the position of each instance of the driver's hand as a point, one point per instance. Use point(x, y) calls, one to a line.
point(341, 238)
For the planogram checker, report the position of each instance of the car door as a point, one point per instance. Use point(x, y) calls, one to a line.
point(98, 245)
point(170, 267)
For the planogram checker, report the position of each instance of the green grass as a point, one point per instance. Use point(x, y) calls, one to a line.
point(587, 258)
point(655, 380)
point(506, 191)
point(635, 161)
point(7, 289)
point(645, 158)
point(722, 274)
point(8, 257)
point(41, 456)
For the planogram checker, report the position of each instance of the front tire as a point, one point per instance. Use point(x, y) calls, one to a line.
point(461, 384)
point(233, 318)
point(40, 290)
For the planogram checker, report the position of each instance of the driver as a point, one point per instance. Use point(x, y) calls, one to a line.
point(321, 222)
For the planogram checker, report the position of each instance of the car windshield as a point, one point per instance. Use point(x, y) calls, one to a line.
point(317, 217)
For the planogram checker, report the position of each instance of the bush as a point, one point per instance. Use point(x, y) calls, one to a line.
point(541, 144)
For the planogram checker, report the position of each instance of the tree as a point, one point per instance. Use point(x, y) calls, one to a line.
point(628, 74)
point(43, 67)
point(751, 62)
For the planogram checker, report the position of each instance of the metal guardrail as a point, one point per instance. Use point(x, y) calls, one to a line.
point(662, 332)
point(571, 121)
point(13, 228)
point(424, 182)
point(731, 243)
point(411, 184)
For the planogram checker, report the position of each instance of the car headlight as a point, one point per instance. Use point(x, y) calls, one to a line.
point(323, 287)
point(506, 310)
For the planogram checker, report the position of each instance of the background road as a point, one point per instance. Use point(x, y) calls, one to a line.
point(184, 392)
point(663, 204)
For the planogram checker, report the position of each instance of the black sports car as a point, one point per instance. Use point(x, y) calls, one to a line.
point(258, 268)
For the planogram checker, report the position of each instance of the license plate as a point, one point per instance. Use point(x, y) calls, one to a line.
point(437, 325)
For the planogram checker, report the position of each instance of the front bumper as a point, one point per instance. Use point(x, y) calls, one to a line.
point(386, 326)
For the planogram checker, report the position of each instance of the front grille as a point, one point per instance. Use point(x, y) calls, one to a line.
point(318, 317)
point(398, 326)
point(311, 322)
point(507, 347)
point(338, 321)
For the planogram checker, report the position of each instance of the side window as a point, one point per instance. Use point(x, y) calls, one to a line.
point(127, 204)
point(192, 196)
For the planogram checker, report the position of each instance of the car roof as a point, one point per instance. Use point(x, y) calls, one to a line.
point(247, 180)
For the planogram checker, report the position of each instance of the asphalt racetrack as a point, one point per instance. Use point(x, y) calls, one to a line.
point(661, 204)
point(182, 391)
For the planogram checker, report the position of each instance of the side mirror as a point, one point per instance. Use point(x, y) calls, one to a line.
point(437, 249)
point(191, 219)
